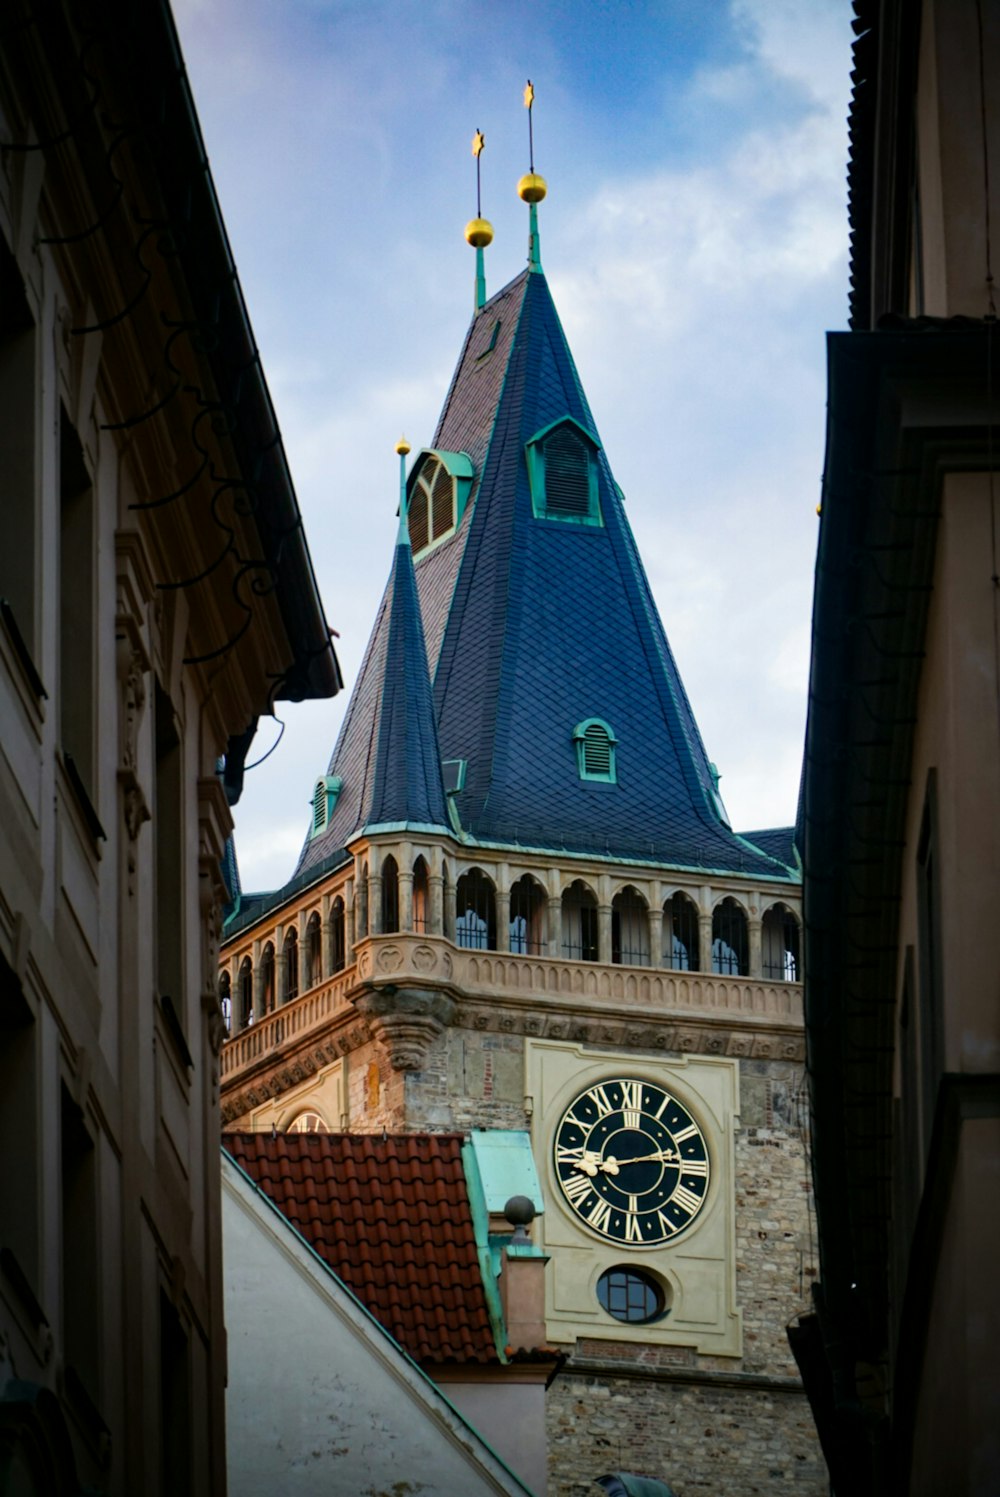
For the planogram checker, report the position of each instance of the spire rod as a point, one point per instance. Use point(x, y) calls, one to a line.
point(479, 231)
point(532, 188)
point(403, 538)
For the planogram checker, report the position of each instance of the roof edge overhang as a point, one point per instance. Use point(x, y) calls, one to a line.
point(906, 406)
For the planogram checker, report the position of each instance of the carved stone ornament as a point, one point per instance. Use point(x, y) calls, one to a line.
point(406, 1022)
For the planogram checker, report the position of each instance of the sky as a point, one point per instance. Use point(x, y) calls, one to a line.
point(694, 238)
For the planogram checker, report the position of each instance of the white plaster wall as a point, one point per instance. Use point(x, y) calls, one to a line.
point(320, 1399)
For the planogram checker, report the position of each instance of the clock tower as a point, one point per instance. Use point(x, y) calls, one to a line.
point(520, 905)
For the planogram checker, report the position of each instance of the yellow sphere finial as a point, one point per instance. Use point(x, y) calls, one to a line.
point(402, 447)
point(532, 188)
point(479, 232)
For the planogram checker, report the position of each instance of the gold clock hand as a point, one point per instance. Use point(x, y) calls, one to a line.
point(611, 1165)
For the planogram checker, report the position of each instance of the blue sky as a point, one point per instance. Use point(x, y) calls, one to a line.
point(694, 238)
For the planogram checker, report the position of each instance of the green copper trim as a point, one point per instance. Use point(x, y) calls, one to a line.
point(480, 278)
point(534, 244)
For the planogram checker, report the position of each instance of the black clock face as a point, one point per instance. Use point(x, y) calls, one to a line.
point(631, 1162)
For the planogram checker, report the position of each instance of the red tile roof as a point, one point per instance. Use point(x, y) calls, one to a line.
point(391, 1217)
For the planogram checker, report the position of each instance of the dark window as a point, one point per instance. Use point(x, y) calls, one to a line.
point(314, 951)
point(579, 923)
point(167, 832)
point(267, 979)
point(175, 1402)
point(631, 1295)
point(337, 935)
point(418, 519)
point(246, 992)
point(527, 917)
point(77, 634)
point(421, 897)
point(226, 1001)
point(17, 447)
point(390, 896)
point(20, 1161)
point(291, 965)
point(629, 929)
point(79, 1247)
point(475, 912)
point(780, 944)
point(730, 945)
point(680, 934)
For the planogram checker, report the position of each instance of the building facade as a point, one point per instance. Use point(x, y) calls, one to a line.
point(521, 906)
point(156, 597)
point(901, 793)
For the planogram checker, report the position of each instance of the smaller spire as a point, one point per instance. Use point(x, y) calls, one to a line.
point(532, 188)
point(479, 230)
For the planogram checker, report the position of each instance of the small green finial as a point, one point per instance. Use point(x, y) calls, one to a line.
point(402, 448)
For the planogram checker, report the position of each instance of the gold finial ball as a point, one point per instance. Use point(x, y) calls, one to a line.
point(479, 232)
point(402, 447)
point(531, 188)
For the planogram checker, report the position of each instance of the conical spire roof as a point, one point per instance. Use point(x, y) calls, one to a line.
point(534, 626)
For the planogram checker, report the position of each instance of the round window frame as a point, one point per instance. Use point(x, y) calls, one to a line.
point(650, 1281)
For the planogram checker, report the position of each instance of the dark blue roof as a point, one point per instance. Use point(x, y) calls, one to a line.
point(406, 783)
point(534, 626)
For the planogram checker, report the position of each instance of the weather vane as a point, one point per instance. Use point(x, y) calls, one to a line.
point(478, 231)
point(478, 141)
point(532, 188)
point(529, 99)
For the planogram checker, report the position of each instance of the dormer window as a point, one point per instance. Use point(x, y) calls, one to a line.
point(595, 750)
point(437, 493)
point(562, 470)
point(328, 787)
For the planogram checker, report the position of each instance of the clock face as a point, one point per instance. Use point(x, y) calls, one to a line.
point(631, 1162)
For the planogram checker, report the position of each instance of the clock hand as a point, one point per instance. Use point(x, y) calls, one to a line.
point(611, 1165)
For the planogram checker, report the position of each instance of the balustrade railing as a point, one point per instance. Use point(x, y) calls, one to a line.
point(481, 974)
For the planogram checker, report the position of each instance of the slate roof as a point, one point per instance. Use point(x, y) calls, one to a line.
point(532, 627)
point(778, 842)
point(391, 1216)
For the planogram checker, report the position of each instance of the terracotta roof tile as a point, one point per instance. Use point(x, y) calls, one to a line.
point(391, 1217)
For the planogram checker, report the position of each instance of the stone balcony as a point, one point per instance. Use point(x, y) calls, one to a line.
point(408, 987)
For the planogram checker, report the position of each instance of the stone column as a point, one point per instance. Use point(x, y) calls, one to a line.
point(350, 935)
point(448, 919)
point(756, 945)
point(604, 933)
point(406, 899)
point(405, 886)
point(704, 942)
point(503, 918)
point(435, 901)
point(655, 917)
point(553, 938)
point(326, 936)
point(257, 1010)
point(280, 967)
point(374, 903)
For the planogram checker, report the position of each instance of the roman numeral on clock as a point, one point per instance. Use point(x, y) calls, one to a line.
point(599, 1215)
point(685, 1199)
point(632, 1232)
point(601, 1101)
point(689, 1132)
point(631, 1096)
point(576, 1188)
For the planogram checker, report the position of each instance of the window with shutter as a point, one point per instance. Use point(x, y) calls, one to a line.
point(562, 473)
point(595, 750)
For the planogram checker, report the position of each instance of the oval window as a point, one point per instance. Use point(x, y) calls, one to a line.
point(631, 1295)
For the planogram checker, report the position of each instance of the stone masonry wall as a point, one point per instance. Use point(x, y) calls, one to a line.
point(702, 1439)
